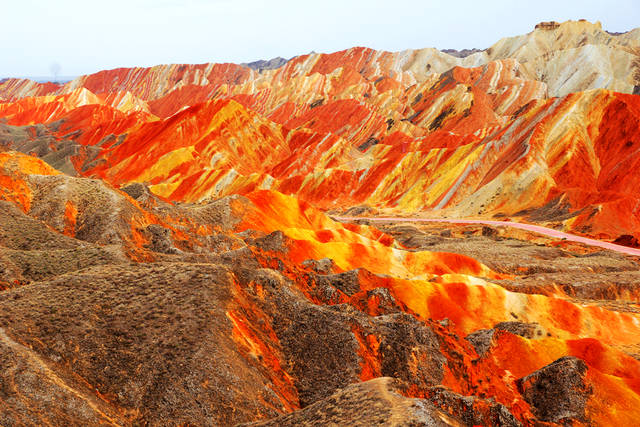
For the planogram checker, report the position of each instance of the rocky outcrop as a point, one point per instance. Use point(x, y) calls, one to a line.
point(550, 25)
point(482, 339)
point(472, 411)
point(559, 391)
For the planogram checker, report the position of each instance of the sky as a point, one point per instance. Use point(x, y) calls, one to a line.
point(85, 36)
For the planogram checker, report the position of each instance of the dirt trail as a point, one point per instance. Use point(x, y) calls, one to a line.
point(550, 232)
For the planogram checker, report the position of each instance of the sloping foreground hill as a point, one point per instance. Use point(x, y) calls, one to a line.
point(121, 308)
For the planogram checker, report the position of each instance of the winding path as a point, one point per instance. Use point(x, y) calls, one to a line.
point(550, 232)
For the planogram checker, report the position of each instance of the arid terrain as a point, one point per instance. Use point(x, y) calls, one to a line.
point(224, 244)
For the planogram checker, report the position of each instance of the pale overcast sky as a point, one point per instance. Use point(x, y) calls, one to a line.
point(85, 36)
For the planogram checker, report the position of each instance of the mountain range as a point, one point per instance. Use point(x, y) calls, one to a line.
point(219, 244)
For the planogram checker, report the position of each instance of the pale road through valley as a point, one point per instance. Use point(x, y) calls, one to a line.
point(550, 232)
